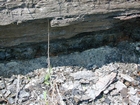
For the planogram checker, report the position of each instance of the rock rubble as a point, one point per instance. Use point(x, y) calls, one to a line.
point(73, 85)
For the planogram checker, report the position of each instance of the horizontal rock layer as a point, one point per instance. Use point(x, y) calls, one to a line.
point(25, 23)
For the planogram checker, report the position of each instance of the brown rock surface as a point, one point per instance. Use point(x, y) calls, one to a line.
point(24, 21)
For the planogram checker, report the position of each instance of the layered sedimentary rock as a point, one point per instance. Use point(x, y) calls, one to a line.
point(25, 23)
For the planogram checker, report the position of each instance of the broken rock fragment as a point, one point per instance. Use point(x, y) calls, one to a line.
point(134, 100)
point(88, 75)
point(127, 78)
point(119, 86)
point(132, 91)
point(101, 85)
point(124, 92)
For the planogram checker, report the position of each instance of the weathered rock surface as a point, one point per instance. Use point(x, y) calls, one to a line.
point(95, 60)
point(25, 22)
point(98, 77)
point(125, 52)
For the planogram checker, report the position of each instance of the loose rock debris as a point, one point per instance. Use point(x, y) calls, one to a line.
point(112, 84)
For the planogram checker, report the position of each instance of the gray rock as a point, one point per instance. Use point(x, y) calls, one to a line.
point(87, 75)
point(106, 91)
point(3, 91)
point(70, 85)
point(126, 101)
point(77, 98)
point(114, 92)
point(111, 87)
point(24, 94)
point(132, 91)
point(91, 93)
point(101, 85)
point(134, 100)
point(105, 81)
point(60, 78)
point(8, 92)
point(119, 86)
point(127, 77)
point(84, 97)
point(124, 92)
point(11, 100)
point(84, 81)
point(107, 100)
point(2, 86)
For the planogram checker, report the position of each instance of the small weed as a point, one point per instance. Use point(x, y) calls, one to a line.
point(45, 96)
point(28, 78)
point(47, 79)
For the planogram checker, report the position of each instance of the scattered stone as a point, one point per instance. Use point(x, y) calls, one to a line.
point(60, 78)
point(84, 97)
point(132, 91)
point(70, 85)
point(134, 100)
point(24, 95)
point(114, 92)
point(127, 78)
point(75, 85)
point(110, 88)
point(126, 100)
point(83, 75)
point(11, 100)
point(8, 92)
point(2, 86)
point(124, 92)
point(107, 100)
point(101, 85)
point(119, 86)
point(83, 81)
point(106, 91)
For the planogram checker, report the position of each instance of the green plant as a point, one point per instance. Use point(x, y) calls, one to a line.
point(45, 96)
point(47, 79)
point(48, 76)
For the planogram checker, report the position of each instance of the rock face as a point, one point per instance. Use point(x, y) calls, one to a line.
point(24, 26)
point(94, 52)
point(125, 52)
point(25, 21)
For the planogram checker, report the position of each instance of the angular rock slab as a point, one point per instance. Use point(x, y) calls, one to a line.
point(127, 77)
point(119, 86)
point(101, 85)
point(88, 75)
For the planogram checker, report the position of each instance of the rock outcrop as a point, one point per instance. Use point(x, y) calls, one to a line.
point(25, 21)
point(94, 52)
point(24, 26)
